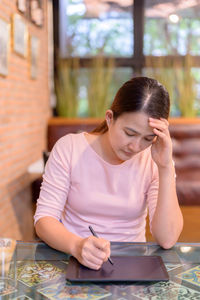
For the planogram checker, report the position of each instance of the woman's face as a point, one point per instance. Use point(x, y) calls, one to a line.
point(129, 134)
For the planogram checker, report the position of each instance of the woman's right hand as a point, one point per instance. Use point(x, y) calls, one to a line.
point(92, 252)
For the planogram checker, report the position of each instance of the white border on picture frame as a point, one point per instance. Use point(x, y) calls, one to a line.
point(4, 46)
point(21, 5)
point(34, 53)
point(20, 35)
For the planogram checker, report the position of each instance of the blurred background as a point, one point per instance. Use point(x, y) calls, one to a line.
point(120, 39)
point(61, 63)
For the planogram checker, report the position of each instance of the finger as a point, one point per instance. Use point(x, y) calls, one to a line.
point(91, 251)
point(160, 134)
point(92, 265)
point(159, 125)
point(165, 120)
point(91, 259)
point(159, 121)
point(99, 248)
point(103, 246)
point(101, 243)
point(107, 250)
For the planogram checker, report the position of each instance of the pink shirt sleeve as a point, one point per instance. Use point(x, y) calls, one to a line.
point(55, 185)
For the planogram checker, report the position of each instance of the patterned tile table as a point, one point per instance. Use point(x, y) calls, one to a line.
point(38, 272)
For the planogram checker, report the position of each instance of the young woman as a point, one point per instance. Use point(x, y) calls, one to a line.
point(110, 178)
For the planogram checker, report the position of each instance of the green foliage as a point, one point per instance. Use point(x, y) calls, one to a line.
point(186, 89)
point(178, 80)
point(99, 86)
point(66, 87)
point(87, 36)
point(165, 75)
point(163, 38)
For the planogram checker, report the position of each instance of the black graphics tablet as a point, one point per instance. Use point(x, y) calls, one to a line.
point(125, 268)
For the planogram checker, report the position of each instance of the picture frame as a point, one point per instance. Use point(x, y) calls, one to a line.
point(23, 7)
point(4, 46)
point(19, 35)
point(36, 12)
point(34, 54)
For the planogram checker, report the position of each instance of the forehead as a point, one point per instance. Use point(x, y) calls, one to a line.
point(138, 121)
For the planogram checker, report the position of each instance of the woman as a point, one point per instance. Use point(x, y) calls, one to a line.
point(110, 177)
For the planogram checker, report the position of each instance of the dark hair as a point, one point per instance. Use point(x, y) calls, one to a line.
point(139, 94)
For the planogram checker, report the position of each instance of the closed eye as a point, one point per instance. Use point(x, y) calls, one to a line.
point(149, 139)
point(129, 134)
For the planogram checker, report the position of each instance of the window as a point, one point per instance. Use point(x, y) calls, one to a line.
point(93, 27)
point(143, 37)
point(172, 27)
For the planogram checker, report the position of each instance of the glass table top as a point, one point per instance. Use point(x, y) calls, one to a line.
point(37, 271)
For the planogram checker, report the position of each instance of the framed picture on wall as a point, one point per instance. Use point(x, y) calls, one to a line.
point(4, 46)
point(23, 7)
point(34, 53)
point(36, 12)
point(19, 35)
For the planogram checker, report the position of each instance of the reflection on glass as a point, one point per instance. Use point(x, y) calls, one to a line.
point(128, 249)
point(105, 27)
point(7, 249)
point(172, 27)
point(8, 280)
point(185, 249)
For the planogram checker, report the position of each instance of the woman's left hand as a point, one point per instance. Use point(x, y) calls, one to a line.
point(161, 149)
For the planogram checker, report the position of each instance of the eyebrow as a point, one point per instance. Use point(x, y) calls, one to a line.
point(134, 131)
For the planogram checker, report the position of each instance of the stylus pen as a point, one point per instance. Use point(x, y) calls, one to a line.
point(94, 234)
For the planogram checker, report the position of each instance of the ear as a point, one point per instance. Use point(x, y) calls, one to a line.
point(109, 117)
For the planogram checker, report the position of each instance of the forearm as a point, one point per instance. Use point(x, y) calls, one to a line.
point(167, 222)
point(52, 232)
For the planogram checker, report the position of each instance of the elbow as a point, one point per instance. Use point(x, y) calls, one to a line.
point(164, 242)
point(167, 244)
point(37, 229)
point(170, 241)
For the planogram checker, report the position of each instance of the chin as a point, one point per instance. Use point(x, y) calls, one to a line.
point(129, 156)
point(122, 156)
point(125, 156)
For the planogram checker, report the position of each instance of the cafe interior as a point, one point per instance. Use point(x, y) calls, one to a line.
point(61, 64)
point(52, 52)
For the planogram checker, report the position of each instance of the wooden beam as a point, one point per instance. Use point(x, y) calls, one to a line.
point(138, 18)
point(150, 61)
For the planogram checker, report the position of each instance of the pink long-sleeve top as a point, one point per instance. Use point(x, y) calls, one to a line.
point(81, 189)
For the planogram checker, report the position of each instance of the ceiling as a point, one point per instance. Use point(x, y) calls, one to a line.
point(153, 8)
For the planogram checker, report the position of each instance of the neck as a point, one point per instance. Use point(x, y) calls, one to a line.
point(106, 150)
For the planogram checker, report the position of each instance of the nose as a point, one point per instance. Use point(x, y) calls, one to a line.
point(135, 145)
